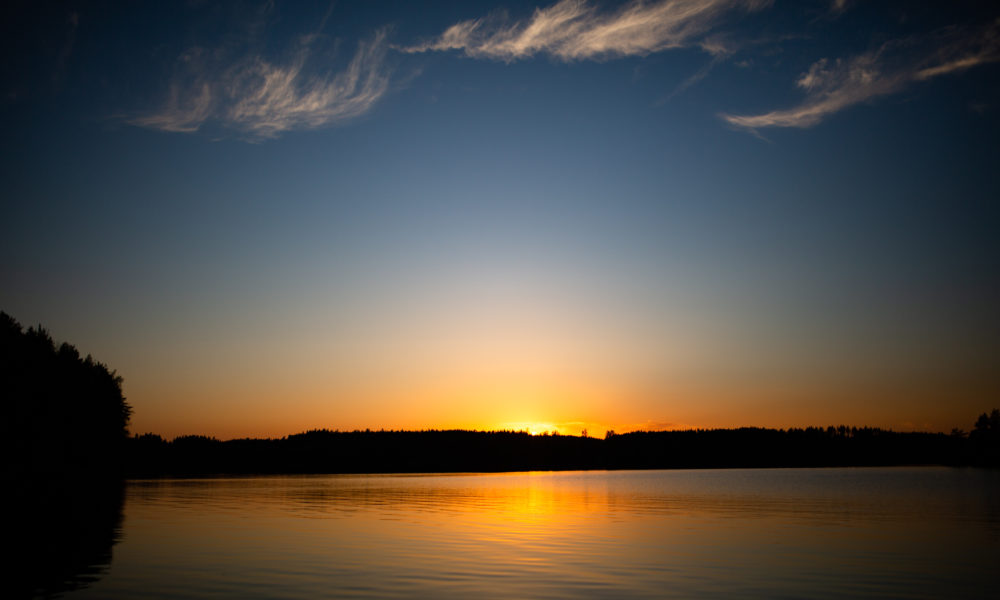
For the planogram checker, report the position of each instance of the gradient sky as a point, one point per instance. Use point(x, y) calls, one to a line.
point(271, 217)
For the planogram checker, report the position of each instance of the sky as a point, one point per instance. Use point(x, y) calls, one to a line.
point(270, 217)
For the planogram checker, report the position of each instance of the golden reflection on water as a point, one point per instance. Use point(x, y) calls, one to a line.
point(611, 534)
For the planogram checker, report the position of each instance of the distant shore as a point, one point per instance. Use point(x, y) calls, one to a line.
point(324, 451)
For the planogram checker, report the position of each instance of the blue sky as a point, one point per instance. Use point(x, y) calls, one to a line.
point(275, 216)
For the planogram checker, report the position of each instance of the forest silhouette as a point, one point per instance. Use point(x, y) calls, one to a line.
point(64, 436)
point(64, 414)
point(67, 417)
point(325, 451)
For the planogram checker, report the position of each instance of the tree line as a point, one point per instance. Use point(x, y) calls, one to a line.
point(65, 415)
point(325, 451)
point(64, 436)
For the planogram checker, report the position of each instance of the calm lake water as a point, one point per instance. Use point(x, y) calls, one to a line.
point(900, 532)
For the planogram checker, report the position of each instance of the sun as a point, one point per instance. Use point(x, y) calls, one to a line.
point(532, 427)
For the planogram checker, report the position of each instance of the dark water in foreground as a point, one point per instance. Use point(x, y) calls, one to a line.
point(900, 532)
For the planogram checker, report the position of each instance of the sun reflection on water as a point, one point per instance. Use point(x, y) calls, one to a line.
point(562, 535)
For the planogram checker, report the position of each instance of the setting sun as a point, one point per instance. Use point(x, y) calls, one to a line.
point(533, 428)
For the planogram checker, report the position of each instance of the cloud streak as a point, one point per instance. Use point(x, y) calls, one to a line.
point(263, 98)
point(574, 30)
point(184, 112)
point(832, 86)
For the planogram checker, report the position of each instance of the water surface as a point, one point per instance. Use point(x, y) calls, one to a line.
point(901, 532)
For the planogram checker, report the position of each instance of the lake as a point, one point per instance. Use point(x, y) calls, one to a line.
point(901, 532)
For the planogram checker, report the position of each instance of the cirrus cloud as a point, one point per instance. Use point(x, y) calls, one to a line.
point(575, 30)
point(832, 86)
point(263, 98)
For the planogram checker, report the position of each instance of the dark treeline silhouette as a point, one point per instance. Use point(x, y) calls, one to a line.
point(66, 426)
point(64, 435)
point(984, 440)
point(324, 451)
point(64, 416)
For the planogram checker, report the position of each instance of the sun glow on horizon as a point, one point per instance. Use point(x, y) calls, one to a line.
point(532, 427)
point(574, 428)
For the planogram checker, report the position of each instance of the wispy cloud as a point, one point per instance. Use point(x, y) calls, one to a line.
point(267, 99)
point(575, 30)
point(185, 110)
point(832, 86)
point(263, 98)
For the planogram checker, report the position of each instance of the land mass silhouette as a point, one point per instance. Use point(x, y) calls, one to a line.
point(64, 435)
point(67, 419)
point(325, 451)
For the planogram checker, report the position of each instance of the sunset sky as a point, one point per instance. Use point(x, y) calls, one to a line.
point(272, 217)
